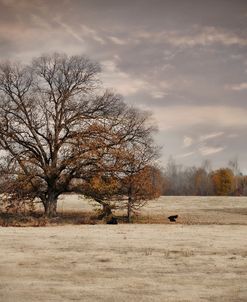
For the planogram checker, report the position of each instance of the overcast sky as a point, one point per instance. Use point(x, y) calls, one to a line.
point(185, 60)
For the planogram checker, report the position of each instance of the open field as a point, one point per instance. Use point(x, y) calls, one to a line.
point(185, 261)
point(191, 209)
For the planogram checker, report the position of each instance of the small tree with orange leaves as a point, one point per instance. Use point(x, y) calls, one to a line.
point(141, 180)
point(141, 187)
point(223, 181)
point(126, 177)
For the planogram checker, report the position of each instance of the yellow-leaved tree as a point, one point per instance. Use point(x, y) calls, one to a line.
point(223, 181)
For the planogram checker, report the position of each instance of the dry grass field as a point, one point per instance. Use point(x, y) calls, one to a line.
point(202, 257)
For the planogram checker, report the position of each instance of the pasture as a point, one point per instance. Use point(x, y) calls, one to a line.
point(201, 257)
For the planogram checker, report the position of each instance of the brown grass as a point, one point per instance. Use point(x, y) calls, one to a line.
point(68, 217)
point(37, 219)
point(93, 263)
point(190, 211)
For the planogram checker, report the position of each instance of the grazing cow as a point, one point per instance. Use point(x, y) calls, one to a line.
point(173, 218)
point(112, 220)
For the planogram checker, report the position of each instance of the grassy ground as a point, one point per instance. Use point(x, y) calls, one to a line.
point(202, 257)
point(124, 263)
point(73, 209)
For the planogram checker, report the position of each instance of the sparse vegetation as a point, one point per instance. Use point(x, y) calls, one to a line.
point(178, 180)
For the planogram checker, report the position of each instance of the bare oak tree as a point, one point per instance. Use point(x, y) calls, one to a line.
point(55, 127)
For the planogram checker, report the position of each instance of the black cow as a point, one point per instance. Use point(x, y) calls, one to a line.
point(113, 220)
point(173, 218)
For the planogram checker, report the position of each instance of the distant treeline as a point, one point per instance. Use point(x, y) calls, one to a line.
point(203, 181)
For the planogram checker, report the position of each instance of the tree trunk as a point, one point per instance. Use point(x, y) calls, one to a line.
point(129, 210)
point(130, 201)
point(50, 205)
point(106, 211)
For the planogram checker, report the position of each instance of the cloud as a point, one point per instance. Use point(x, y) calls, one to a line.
point(117, 40)
point(185, 154)
point(196, 36)
point(209, 136)
point(158, 94)
point(178, 117)
point(207, 150)
point(128, 84)
point(92, 33)
point(187, 142)
point(237, 87)
point(122, 82)
point(200, 146)
point(69, 30)
point(233, 135)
